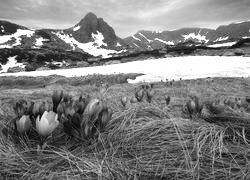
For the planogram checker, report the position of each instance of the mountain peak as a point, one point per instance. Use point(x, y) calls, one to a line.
point(91, 24)
point(90, 15)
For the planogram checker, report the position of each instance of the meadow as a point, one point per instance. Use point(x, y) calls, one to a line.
point(142, 140)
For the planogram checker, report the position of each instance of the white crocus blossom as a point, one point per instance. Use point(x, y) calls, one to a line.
point(23, 124)
point(47, 123)
point(92, 106)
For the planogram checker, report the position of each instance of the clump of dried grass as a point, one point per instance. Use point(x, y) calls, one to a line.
point(141, 141)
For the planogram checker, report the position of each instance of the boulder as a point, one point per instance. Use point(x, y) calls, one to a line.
point(229, 53)
point(82, 64)
point(239, 52)
point(94, 59)
point(43, 69)
point(168, 56)
point(15, 69)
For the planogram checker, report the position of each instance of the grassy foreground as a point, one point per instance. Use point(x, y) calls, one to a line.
point(142, 141)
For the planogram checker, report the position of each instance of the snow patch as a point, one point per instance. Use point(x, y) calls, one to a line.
point(2, 29)
point(145, 38)
point(221, 39)
point(76, 28)
point(118, 44)
point(93, 48)
point(12, 62)
point(39, 41)
point(189, 67)
point(136, 45)
point(198, 36)
point(245, 37)
point(228, 44)
point(165, 42)
point(17, 36)
point(98, 38)
point(5, 46)
point(133, 36)
point(158, 32)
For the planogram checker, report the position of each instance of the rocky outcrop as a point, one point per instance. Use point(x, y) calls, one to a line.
point(91, 24)
point(15, 69)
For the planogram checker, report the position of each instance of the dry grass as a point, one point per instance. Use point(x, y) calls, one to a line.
point(142, 141)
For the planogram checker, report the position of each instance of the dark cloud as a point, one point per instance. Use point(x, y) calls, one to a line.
point(126, 16)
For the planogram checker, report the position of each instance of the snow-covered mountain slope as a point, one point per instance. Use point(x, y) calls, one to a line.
point(12, 62)
point(94, 47)
point(94, 36)
point(91, 35)
point(222, 35)
point(161, 69)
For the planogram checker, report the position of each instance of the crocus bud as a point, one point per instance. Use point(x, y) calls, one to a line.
point(167, 99)
point(56, 99)
point(150, 95)
point(248, 99)
point(139, 95)
point(191, 107)
point(124, 101)
point(23, 124)
point(133, 100)
point(80, 106)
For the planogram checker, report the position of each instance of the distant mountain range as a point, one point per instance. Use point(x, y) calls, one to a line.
point(222, 35)
point(92, 35)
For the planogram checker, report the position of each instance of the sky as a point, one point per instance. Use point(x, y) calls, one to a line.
point(126, 16)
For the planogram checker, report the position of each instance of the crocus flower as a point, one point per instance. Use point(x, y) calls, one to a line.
point(47, 123)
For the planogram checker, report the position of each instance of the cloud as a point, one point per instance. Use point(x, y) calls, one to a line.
point(126, 16)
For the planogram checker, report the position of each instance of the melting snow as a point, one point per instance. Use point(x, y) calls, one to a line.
point(228, 44)
point(135, 38)
point(195, 36)
point(165, 42)
point(39, 41)
point(136, 45)
point(145, 38)
point(67, 39)
point(2, 29)
point(76, 28)
point(16, 36)
point(12, 62)
point(99, 39)
point(189, 67)
point(157, 32)
point(222, 39)
point(92, 48)
point(118, 44)
point(5, 46)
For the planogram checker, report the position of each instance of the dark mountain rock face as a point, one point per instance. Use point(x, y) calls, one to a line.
point(7, 28)
point(89, 25)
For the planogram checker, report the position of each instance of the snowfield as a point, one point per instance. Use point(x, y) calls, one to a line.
point(145, 38)
point(39, 41)
point(198, 37)
point(221, 39)
point(165, 42)
point(16, 36)
point(12, 62)
point(93, 48)
point(76, 28)
point(189, 67)
point(227, 44)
